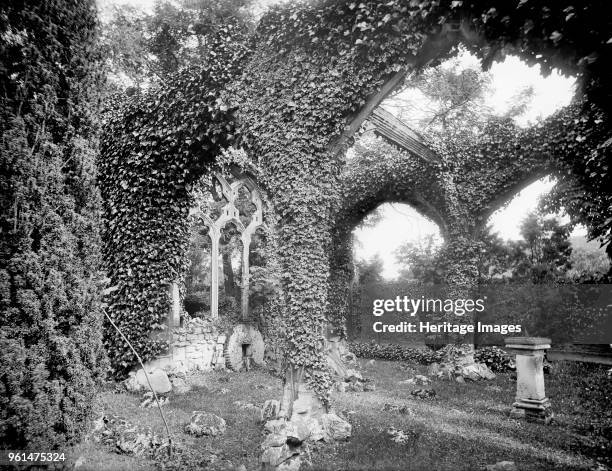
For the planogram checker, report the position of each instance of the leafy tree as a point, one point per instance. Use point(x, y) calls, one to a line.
point(495, 256)
point(144, 49)
point(583, 192)
point(124, 41)
point(544, 253)
point(588, 262)
point(451, 98)
point(370, 271)
point(420, 261)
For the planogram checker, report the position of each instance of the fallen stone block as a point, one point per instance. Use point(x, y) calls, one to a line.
point(137, 381)
point(334, 427)
point(292, 464)
point(274, 439)
point(275, 455)
point(205, 423)
point(297, 431)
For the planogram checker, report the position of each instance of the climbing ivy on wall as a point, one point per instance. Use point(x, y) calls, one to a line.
point(312, 67)
point(379, 173)
point(153, 149)
point(475, 174)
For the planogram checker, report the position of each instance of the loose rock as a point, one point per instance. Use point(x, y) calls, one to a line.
point(334, 427)
point(205, 423)
point(274, 456)
point(159, 381)
point(404, 410)
point(148, 400)
point(423, 393)
point(502, 466)
point(423, 380)
point(292, 464)
point(270, 410)
point(274, 439)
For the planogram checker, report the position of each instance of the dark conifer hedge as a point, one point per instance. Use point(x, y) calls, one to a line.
point(50, 323)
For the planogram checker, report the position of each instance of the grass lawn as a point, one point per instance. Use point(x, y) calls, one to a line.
point(464, 428)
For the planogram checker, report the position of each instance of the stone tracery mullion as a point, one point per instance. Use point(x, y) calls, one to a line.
point(230, 214)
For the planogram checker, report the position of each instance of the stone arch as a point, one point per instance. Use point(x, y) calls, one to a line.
point(294, 97)
point(402, 177)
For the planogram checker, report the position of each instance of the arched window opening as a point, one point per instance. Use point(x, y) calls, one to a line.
point(227, 213)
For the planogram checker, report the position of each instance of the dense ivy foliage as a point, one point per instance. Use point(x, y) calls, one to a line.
point(51, 356)
point(312, 68)
point(506, 157)
point(497, 359)
point(154, 148)
point(494, 357)
point(395, 352)
point(379, 173)
point(475, 175)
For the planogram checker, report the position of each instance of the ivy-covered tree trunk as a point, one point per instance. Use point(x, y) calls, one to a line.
point(51, 355)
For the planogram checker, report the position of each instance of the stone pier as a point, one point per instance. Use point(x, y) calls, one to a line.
point(531, 401)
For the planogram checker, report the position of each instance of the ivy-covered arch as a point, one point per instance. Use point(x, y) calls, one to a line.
point(459, 190)
point(292, 96)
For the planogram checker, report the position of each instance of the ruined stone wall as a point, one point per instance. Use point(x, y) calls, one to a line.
point(198, 345)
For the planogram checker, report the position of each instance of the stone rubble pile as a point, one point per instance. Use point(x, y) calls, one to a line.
point(354, 381)
point(282, 446)
point(455, 370)
point(128, 438)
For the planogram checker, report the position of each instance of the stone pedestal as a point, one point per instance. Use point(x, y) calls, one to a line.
point(531, 401)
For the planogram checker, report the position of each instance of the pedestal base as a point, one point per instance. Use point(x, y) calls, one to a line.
point(532, 410)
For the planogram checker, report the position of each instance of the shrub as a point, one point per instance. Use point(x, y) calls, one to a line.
point(50, 347)
point(495, 358)
point(395, 352)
